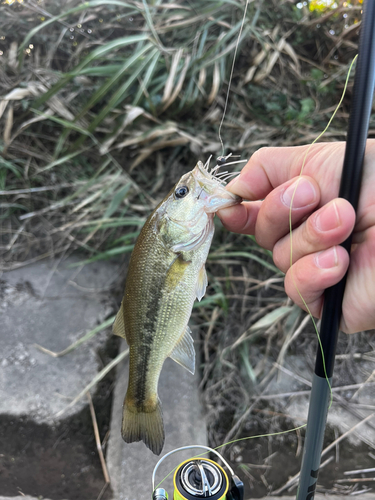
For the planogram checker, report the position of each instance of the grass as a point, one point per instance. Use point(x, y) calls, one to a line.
point(105, 104)
point(102, 102)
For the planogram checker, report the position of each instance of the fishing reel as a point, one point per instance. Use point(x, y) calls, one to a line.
point(201, 478)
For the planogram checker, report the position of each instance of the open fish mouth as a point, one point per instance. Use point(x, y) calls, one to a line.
point(213, 193)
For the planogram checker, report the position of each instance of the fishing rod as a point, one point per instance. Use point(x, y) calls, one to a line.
point(351, 177)
point(204, 478)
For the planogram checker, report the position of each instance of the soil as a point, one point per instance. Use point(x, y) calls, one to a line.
point(267, 464)
point(57, 462)
point(53, 462)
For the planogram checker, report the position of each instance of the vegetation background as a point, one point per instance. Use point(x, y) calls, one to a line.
point(105, 104)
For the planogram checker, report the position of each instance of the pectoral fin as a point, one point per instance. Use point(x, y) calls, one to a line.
point(184, 353)
point(197, 239)
point(118, 326)
point(202, 283)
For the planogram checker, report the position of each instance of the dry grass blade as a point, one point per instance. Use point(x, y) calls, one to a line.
point(95, 380)
point(169, 84)
point(8, 128)
point(179, 84)
point(80, 341)
point(215, 84)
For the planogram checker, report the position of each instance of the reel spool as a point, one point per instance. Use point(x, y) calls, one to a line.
point(201, 478)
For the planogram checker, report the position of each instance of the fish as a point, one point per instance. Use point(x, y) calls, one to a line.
point(166, 274)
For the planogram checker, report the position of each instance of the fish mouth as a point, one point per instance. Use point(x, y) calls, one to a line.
point(213, 192)
point(216, 202)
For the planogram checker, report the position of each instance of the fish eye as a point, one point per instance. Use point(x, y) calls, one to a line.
point(181, 191)
point(221, 160)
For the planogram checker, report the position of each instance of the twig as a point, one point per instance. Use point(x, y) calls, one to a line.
point(97, 440)
point(356, 480)
point(359, 471)
point(284, 349)
point(343, 436)
point(363, 385)
point(295, 478)
point(292, 481)
point(78, 342)
point(304, 393)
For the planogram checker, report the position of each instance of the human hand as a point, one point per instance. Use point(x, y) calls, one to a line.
point(320, 220)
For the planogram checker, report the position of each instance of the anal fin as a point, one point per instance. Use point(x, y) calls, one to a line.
point(118, 327)
point(202, 283)
point(184, 352)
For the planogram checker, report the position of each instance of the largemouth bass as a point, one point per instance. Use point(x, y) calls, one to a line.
point(166, 273)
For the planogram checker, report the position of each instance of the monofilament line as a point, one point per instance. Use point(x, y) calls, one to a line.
point(231, 76)
point(291, 226)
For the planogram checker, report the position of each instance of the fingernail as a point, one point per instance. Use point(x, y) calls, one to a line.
point(303, 196)
point(327, 258)
point(328, 217)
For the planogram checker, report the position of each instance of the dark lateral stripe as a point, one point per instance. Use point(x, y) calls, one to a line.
point(144, 348)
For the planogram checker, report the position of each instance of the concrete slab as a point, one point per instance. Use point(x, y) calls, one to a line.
point(53, 305)
point(50, 305)
point(131, 465)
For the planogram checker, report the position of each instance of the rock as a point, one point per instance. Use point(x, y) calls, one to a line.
point(52, 306)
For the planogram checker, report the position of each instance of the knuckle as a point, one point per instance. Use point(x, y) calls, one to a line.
point(311, 237)
point(290, 289)
point(259, 153)
point(281, 256)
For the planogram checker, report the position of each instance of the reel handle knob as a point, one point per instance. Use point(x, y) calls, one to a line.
point(160, 494)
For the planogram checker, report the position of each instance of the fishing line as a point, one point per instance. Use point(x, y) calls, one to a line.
point(295, 284)
point(291, 229)
point(230, 442)
point(231, 76)
point(291, 238)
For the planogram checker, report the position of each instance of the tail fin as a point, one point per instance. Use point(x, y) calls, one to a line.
point(141, 426)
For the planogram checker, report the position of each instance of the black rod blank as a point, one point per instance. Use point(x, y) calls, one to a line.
point(363, 91)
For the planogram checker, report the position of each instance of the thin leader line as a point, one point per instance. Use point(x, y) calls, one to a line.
point(231, 76)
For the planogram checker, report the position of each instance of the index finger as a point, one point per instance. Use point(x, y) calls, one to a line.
point(269, 168)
